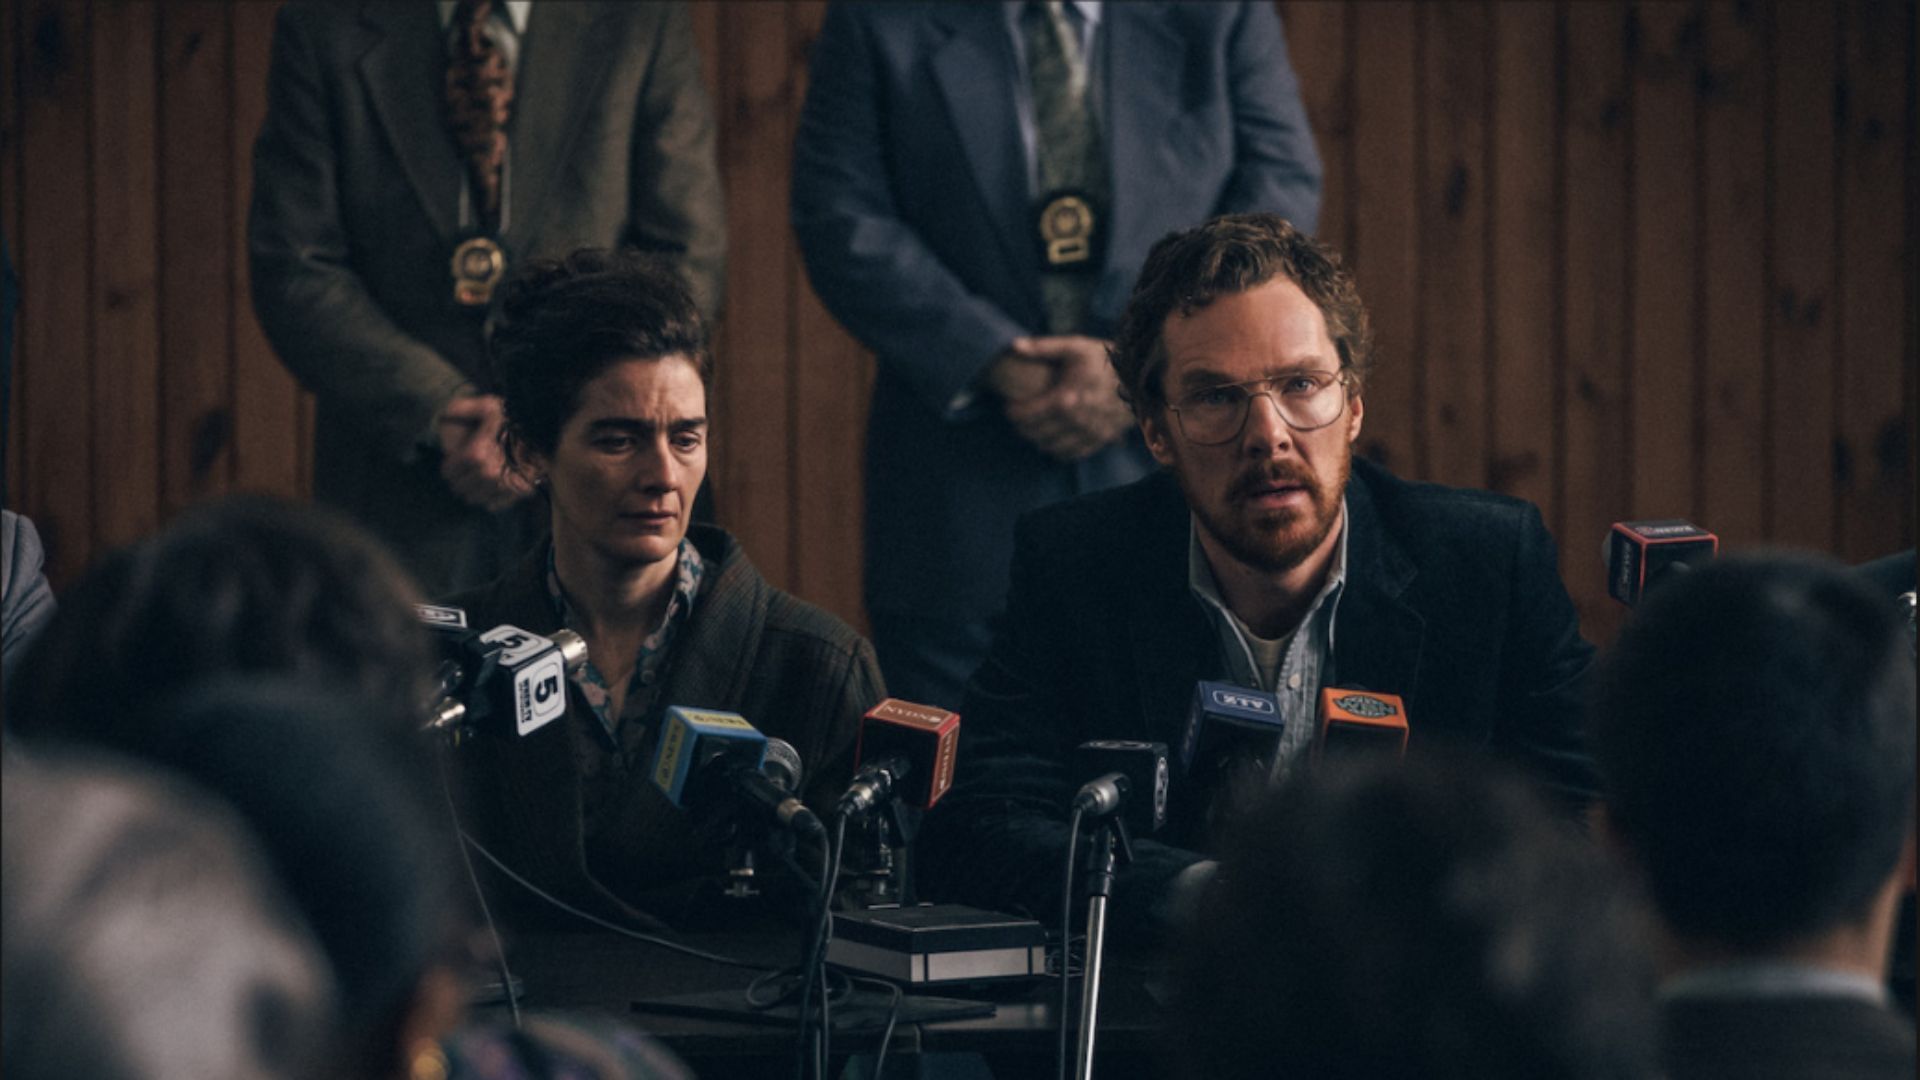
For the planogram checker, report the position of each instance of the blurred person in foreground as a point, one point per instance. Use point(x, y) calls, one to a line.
point(1755, 730)
point(146, 936)
point(604, 365)
point(1432, 921)
point(268, 653)
point(250, 584)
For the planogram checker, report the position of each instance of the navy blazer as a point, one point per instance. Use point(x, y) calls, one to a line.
point(1453, 600)
point(912, 209)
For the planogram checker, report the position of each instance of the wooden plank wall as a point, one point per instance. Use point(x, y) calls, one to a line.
point(1627, 258)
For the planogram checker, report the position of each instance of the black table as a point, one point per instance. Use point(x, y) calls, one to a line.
point(599, 972)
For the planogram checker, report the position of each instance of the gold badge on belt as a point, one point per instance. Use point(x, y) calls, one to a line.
point(1068, 230)
point(478, 265)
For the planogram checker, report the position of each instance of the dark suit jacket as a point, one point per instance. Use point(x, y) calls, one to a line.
point(793, 670)
point(355, 216)
point(1790, 1038)
point(911, 203)
point(1452, 600)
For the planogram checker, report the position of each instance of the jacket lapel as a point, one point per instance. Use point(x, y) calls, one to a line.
point(1174, 646)
point(1377, 636)
point(557, 87)
point(974, 69)
point(709, 669)
point(402, 73)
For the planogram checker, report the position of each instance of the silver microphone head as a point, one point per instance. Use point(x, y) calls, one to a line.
point(782, 764)
point(573, 649)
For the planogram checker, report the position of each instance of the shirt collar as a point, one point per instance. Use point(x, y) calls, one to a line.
point(1088, 10)
point(689, 573)
point(1201, 580)
point(517, 12)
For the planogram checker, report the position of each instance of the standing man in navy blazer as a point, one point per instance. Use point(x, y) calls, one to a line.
point(975, 187)
point(414, 154)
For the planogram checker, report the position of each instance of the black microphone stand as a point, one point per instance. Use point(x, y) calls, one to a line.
point(884, 871)
point(1110, 839)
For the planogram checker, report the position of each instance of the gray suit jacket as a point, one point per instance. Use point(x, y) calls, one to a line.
point(911, 202)
point(356, 212)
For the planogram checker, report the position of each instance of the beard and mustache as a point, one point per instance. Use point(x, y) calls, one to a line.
point(1272, 541)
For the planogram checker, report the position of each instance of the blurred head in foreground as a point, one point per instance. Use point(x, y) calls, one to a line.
point(1754, 726)
point(146, 935)
point(1428, 920)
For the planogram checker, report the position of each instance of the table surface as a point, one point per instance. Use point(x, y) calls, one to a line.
point(601, 972)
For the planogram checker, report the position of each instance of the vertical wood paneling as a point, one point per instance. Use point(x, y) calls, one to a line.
point(125, 263)
point(1524, 281)
point(10, 45)
point(1875, 483)
point(196, 295)
point(1734, 304)
point(266, 399)
point(1597, 300)
point(1614, 271)
point(1665, 249)
point(706, 38)
point(1453, 228)
point(1317, 43)
point(753, 376)
point(832, 380)
point(1385, 229)
point(52, 374)
point(1803, 363)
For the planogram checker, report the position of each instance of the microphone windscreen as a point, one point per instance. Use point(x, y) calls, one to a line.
point(690, 738)
point(928, 738)
point(1146, 768)
point(1361, 722)
point(1225, 716)
point(1641, 553)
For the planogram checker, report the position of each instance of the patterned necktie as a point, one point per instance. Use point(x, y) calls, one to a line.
point(479, 91)
point(1067, 148)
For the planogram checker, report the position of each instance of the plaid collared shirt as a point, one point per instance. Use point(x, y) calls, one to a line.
point(653, 651)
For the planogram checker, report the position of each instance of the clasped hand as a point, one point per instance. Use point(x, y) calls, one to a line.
point(472, 460)
point(1061, 394)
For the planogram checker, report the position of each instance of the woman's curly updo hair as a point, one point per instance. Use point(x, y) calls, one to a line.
point(563, 322)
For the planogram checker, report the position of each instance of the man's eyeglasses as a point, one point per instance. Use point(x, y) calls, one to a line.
point(1307, 400)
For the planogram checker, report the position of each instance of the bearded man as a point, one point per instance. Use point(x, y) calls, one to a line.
point(1261, 554)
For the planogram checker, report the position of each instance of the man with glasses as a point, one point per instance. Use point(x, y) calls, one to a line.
point(1261, 554)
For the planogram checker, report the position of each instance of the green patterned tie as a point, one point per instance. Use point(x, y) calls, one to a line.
point(1067, 143)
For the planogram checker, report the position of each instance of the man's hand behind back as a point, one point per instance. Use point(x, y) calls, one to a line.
point(472, 460)
point(1078, 411)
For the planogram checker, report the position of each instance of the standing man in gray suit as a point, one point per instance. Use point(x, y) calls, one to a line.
point(414, 154)
point(975, 187)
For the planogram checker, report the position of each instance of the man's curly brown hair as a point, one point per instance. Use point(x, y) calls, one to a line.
point(1231, 254)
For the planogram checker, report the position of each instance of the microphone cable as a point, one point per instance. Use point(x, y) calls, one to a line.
point(813, 962)
point(605, 924)
point(479, 894)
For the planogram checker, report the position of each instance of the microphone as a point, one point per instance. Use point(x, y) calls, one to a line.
point(1223, 718)
point(782, 771)
point(906, 752)
point(1130, 777)
point(706, 759)
point(505, 671)
point(1357, 722)
point(1640, 554)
